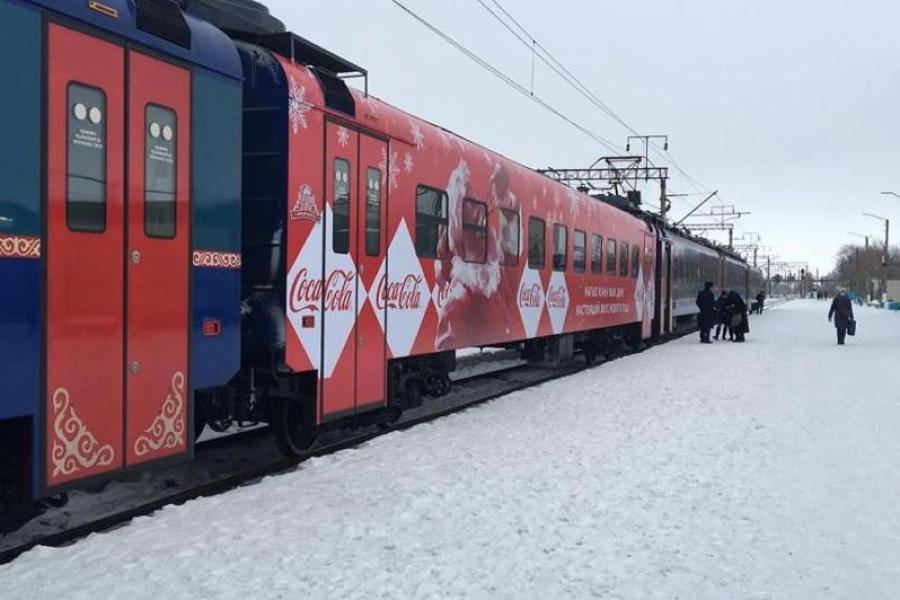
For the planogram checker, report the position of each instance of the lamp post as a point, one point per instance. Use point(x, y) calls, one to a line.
point(865, 281)
point(862, 236)
point(884, 260)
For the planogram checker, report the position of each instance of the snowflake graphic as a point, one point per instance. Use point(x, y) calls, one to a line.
point(408, 163)
point(418, 136)
point(297, 106)
point(446, 139)
point(389, 169)
point(343, 135)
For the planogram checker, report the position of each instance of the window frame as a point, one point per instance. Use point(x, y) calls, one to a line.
point(532, 264)
point(623, 259)
point(557, 227)
point(430, 220)
point(74, 83)
point(504, 212)
point(612, 256)
point(334, 212)
point(174, 113)
point(377, 172)
point(635, 260)
point(575, 247)
point(478, 229)
point(597, 258)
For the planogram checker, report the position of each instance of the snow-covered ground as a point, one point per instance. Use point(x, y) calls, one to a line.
point(769, 469)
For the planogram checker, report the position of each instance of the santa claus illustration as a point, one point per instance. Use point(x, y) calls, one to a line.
point(474, 303)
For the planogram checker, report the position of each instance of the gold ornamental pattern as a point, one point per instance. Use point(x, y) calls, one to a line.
point(224, 260)
point(13, 246)
point(167, 429)
point(74, 447)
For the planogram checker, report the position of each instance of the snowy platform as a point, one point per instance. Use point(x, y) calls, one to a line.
point(769, 469)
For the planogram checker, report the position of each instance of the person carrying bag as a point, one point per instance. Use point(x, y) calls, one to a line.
point(842, 311)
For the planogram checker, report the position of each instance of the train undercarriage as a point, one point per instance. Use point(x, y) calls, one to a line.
point(287, 401)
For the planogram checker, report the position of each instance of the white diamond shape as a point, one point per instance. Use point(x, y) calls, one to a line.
point(403, 291)
point(304, 294)
point(530, 300)
point(339, 301)
point(558, 301)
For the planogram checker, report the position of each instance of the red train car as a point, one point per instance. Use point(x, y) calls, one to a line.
point(403, 242)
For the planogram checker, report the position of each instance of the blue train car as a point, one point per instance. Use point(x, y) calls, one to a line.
point(119, 236)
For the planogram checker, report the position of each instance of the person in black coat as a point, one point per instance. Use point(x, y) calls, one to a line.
point(722, 316)
point(740, 324)
point(842, 311)
point(760, 301)
point(706, 302)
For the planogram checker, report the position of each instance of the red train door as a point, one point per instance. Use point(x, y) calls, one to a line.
point(116, 259)
point(340, 280)
point(157, 394)
point(371, 361)
point(84, 263)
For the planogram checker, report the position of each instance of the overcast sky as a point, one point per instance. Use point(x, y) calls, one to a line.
point(788, 108)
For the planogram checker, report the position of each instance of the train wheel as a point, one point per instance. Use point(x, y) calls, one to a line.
point(293, 435)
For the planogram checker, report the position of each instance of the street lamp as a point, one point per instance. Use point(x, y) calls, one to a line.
point(884, 260)
point(862, 236)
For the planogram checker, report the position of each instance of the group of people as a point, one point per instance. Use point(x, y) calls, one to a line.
point(727, 313)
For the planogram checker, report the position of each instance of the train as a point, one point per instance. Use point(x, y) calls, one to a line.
point(201, 223)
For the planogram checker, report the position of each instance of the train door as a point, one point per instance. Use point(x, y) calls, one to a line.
point(371, 361)
point(665, 289)
point(157, 394)
point(116, 260)
point(85, 237)
point(340, 296)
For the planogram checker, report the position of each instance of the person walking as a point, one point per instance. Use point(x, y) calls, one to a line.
point(760, 300)
point(706, 302)
point(722, 318)
point(842, 311)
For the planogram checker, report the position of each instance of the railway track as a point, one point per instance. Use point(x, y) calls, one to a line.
point(240, 459)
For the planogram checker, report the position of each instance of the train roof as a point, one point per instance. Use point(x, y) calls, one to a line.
point(160, 25)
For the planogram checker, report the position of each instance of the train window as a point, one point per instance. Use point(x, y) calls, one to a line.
point(635, 260)
point(86, 159)
point(340, 222)
point(373, 211)
point(535, 243)
point(578, 248)
point(160, 132)
point(611, 257)
point(509, 237)
point(431, 216)
point(560, 247)
point(474, 231)
point(596, 254)
point(623, 259)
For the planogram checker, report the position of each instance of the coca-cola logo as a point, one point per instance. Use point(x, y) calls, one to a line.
point(404, 294)
point(337, 290)
point(530, 297)
point(557, 297)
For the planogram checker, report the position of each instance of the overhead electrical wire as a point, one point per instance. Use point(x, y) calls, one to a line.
point(563, 72)
point(545, 56)
point(558, 67)
point(506, 78)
